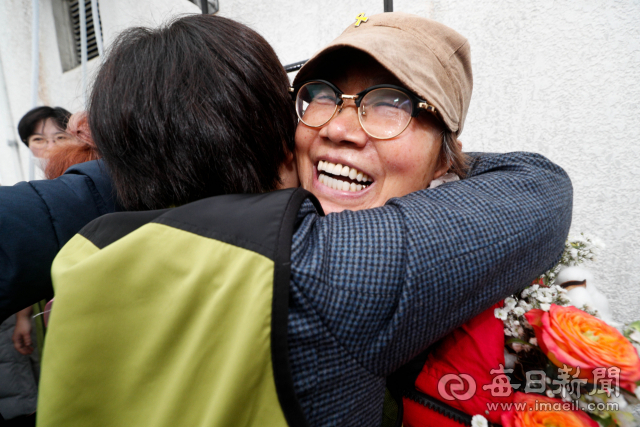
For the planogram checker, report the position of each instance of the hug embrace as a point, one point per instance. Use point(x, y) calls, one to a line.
point(275, 251)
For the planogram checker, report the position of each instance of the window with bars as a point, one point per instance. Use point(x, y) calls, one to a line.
point(67, 18)
point(213, 5)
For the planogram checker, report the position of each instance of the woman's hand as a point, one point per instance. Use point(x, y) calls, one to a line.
point(22, 332)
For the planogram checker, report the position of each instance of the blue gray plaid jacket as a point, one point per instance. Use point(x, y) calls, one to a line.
point(372, 289)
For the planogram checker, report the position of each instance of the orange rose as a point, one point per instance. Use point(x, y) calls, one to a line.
point(569, 336)
point(532, 410)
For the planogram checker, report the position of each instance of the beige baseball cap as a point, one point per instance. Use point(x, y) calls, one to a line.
point(429, 58)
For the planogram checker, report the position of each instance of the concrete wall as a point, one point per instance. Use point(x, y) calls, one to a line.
point(561, 78)
point(58, 88)
point(558, 77)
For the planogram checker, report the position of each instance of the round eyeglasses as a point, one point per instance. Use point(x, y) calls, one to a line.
point(384, 111)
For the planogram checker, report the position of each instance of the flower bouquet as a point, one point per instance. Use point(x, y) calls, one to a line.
point(569, 367)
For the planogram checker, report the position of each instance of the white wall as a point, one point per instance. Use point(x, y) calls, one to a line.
point(558, 77)
point(561, 78)
point(55, 87)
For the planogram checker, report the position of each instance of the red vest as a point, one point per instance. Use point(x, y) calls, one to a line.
point(474, 349)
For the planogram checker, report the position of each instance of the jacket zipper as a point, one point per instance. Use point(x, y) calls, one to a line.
point(440, 407)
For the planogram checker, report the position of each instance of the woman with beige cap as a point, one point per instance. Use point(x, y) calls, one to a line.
point(385, 100)
point(380, 109)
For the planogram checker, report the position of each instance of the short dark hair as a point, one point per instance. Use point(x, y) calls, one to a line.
point(196, 108)
point(28, 122)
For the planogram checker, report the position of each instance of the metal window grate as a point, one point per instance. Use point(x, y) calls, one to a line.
point(214, 7)
point(92, 45)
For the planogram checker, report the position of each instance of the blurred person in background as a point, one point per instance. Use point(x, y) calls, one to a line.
point(63, 140)
point(41, 129)
point(73, 146)
point(44, 127)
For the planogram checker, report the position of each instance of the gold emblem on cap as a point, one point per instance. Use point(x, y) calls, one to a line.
point(360, 19)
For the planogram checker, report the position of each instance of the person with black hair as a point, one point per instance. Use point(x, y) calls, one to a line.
point(40, 129)
point(43, 127)
point(214, 116)
point(255, 309)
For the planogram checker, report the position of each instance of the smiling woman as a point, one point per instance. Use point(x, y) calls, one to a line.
point(364, 137)
point(381, 124)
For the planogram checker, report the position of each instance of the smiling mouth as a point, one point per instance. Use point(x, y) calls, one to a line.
point(342, 178)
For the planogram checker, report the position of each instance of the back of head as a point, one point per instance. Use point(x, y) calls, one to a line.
point(197, 108)
point(28, 122)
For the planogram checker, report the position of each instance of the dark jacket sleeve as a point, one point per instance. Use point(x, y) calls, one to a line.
point(387, 282)
point(36, 219)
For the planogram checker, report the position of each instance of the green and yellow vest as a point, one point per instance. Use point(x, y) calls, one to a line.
point(175, 318)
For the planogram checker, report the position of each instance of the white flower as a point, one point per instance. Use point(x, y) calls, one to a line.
point(544, 296)
point(525, 305)
point(635, 336)
point(525, 293)
point(588, 309)
point(545, 307)
point(638, 392)
point(518, 311)
point(533, 341)
point(550, 393)
point(509, 303)
point(622, 403)
point(574, 253)
point(479, 421)
point(501, 313)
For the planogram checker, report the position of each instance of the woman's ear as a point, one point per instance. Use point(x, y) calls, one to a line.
point(288, 172)
point(445, 165)
point(442, 169)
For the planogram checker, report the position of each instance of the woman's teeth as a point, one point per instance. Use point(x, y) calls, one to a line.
point(339, 170)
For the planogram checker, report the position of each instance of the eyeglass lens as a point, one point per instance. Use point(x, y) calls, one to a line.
point(316, 103)
point(383, 113)
point(39, 140)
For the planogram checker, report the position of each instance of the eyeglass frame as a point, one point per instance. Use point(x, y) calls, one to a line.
point(46, 140)
point(417, 104)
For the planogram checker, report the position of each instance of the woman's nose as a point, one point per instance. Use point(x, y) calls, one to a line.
point(50, 143)
point(344, 127)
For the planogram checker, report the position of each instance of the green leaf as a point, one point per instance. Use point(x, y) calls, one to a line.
point(635, 325)
point(517, 340)
point(604, 422)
